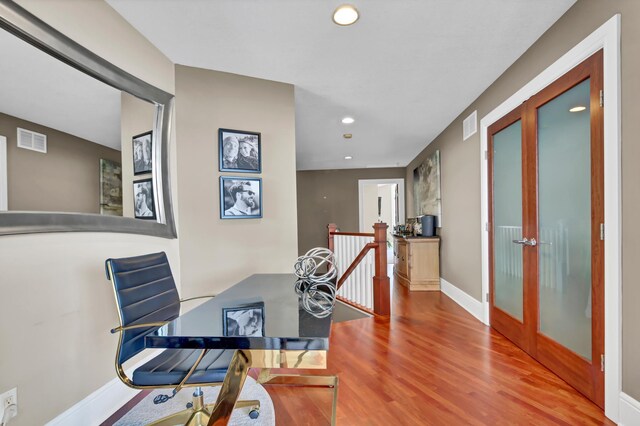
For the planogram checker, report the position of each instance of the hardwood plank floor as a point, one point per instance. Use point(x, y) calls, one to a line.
point(432, 363)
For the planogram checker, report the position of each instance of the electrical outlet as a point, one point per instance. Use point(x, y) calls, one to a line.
point(7, 399)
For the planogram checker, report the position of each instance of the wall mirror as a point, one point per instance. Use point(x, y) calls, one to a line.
point(83, 144)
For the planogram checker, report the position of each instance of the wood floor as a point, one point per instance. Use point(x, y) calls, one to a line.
point(432, 363)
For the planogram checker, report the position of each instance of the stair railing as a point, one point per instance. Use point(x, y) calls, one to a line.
point(364, 283)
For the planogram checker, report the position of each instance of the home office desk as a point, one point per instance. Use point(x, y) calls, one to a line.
point(291, 337)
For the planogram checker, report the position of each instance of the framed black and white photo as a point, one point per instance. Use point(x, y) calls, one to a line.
point(143, 205)
point(245, 320)
point(142, 153)
point(240, 197)
point(239, 151)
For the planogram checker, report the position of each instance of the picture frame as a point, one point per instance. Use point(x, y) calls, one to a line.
point(240, 197)
point(142, 153)
point(143, 199)
point(243, 321)
point(239, 151)
point(110, 188)
point(426, 188)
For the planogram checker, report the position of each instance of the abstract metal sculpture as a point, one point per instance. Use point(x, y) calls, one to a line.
point(317, 289)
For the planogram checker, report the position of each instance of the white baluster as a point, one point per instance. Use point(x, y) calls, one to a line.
point(363, 278)
point(369, 282)
point(351, 256)
point(341, 254)
point(356, 273)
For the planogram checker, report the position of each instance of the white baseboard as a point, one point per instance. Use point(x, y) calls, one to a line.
point(97, 407)
point(101, 404)
point(473, 306)
point(629, 411)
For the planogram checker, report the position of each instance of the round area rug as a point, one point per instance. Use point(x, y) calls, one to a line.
point(146, 411)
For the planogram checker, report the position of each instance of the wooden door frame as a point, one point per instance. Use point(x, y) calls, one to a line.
point(511, 327)
point(606, 37)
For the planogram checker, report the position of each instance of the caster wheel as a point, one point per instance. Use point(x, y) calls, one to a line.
point(189, 404)
point(254, 413)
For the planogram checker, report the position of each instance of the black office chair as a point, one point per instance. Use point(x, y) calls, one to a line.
point(147, 298)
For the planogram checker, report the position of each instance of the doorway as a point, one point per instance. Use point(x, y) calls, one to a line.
point(546, 223)
point(381, 200)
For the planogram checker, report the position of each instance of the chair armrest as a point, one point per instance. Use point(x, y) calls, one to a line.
point(197, 297)
point(143, 325)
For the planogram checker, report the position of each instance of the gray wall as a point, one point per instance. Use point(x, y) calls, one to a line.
point(65, 179)
point(461, 254)
point(56, 305)
point(331, 196)
point(217, 253)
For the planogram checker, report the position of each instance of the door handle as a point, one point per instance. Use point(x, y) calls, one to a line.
point(527, 242)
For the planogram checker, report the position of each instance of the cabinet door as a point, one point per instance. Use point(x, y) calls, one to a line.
point(403, 258)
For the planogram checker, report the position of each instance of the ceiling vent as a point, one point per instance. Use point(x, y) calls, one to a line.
point(470, 125)
point(32, 140)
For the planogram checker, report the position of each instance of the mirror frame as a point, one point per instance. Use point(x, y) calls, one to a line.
point(21, 23)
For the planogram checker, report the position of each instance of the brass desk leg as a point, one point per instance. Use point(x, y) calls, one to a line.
point(231, 387)
point(266, 378)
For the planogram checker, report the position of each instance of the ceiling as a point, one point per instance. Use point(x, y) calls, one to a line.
point(404, 70)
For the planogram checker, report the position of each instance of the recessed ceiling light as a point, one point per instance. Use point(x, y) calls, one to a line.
point(345, 15)
point(348, 157)
point(577, 108)
point(348, 120)
point(347, 136)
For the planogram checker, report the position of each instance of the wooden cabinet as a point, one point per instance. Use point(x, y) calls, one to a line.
point(416, 262)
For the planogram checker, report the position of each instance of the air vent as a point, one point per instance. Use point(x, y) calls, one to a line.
point(32, 140)
point(470, 125)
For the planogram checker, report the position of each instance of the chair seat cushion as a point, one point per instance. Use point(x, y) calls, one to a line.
point(172, 365)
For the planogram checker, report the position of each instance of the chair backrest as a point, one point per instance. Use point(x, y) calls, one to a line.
point(145, 292)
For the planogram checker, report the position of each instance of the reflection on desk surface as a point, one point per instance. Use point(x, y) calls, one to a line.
point(286, 325)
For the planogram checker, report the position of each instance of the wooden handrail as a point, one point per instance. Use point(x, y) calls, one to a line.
point(355, 263)
point(381, 286)
point(354, 234)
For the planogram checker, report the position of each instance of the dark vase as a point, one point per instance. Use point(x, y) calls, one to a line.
point(428, 225)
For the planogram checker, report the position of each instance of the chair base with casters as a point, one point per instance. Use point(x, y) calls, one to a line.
point(178, 367)
point(198, 413)
point(147, 298)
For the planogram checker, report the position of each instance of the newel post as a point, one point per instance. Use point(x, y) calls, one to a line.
point(332, 227)
point(381, 288)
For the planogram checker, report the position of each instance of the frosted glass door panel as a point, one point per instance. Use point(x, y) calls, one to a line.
point(564, 212)
point(507, 219)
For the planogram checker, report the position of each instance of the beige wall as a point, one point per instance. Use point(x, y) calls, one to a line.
point(217, 253)
point(137, 118)
point(64, 179)
point(461, 263)
point(56, 305)
point(331, 196)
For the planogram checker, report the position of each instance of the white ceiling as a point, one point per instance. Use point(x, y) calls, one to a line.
point(404, 71)
point(39, 88)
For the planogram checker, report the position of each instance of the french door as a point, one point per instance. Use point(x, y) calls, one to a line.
point(546, 222)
